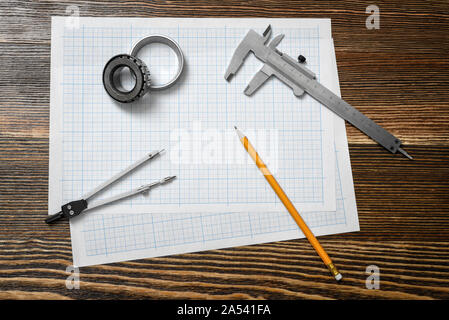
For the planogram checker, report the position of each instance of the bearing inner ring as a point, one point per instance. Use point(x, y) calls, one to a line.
point(170, 43)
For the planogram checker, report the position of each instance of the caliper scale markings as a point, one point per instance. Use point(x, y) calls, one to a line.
point(301, 80)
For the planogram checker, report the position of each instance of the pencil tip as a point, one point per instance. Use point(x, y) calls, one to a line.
point(239, 133)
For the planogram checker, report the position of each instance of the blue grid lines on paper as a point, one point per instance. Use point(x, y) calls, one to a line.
point(101, 137)
point(109, 234)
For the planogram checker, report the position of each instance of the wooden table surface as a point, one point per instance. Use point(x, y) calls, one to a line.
point(397, 75)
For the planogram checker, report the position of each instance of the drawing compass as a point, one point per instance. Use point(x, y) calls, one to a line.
point(75, 208)
point(301, 80)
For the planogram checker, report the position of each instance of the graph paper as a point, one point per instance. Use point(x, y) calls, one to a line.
point(98, 137)
point(93, 137)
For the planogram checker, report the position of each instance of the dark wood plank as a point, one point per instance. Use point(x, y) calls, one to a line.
point(398, 75)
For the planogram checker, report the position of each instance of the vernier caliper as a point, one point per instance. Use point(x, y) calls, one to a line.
point(75, 208)
point(301, 80)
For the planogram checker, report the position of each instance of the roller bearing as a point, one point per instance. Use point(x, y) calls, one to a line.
point(112, 82)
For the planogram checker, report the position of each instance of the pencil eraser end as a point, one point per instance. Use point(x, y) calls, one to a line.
point(338, 277)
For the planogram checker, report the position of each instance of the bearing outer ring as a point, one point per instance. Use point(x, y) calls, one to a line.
point(173, 45)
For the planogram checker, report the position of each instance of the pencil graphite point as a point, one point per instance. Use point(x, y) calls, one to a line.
point(239, 133)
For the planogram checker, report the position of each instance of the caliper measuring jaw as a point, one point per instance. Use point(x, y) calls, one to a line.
point(300, 80)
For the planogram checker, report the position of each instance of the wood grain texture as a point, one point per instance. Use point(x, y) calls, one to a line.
point(397, 75)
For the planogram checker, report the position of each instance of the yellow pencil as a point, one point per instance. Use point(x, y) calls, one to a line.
point(288, 205)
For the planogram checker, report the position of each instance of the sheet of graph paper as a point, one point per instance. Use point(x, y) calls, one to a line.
point(93, 137)
point(116, 229)
point(105, 238)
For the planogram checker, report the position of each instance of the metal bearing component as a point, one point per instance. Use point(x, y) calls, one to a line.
point(112, 83)
point(139, 70)
point(173, 45)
